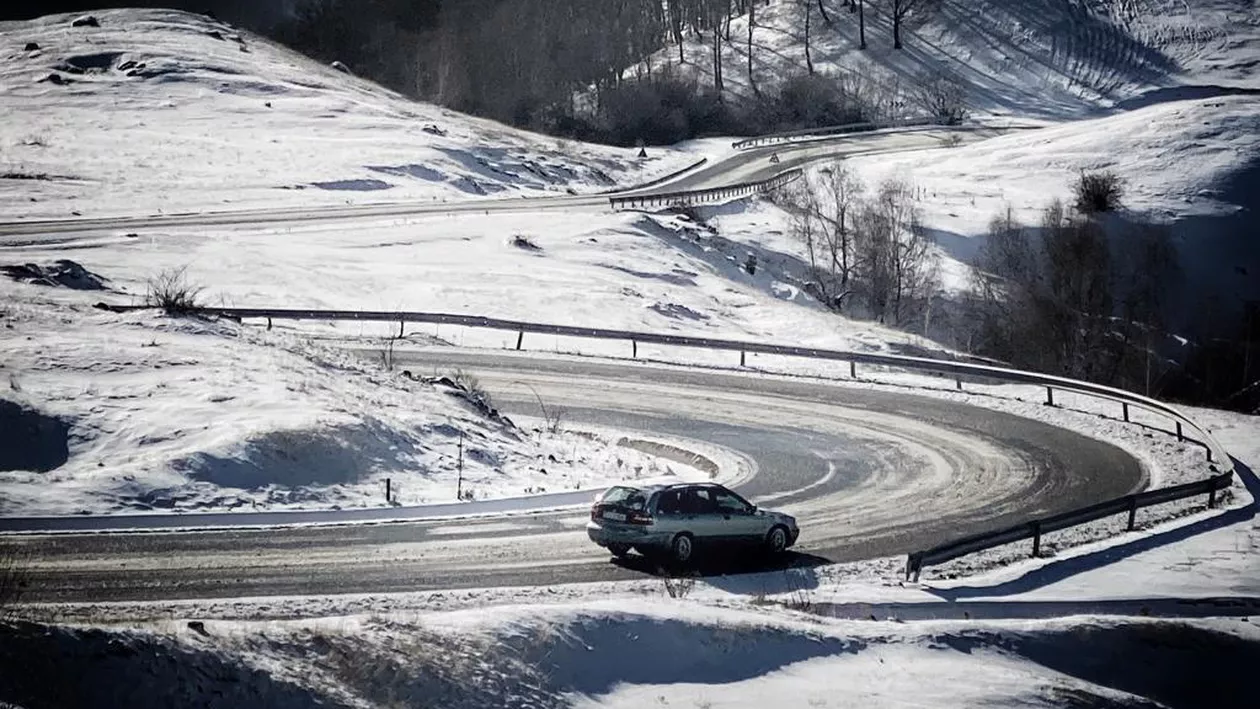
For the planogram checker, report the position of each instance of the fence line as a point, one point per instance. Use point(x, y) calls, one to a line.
point(691, 198)
point(860, 127)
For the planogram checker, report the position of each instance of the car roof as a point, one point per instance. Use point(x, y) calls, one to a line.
point(672, 486)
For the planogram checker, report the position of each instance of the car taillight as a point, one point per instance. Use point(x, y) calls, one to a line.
point(638, 518)
point(594, 511)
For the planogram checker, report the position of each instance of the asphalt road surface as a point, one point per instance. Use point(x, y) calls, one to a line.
point(867, 473)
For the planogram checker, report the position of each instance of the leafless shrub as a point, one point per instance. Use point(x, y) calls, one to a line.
point(470, 384)
point(678, 586)
point(387, 354)
point(553, 416)
point(1098, 192)
point(171, 291)
point(943, 98)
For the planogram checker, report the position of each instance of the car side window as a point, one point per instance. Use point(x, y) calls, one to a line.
point(728, 503)
point(670, 503)
point(699, 502)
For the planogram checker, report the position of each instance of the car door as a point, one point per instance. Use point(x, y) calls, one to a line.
point(741, 522)
point(700, 507)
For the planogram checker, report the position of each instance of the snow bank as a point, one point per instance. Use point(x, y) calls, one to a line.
point(158, 413)
point(159, 111)
point(634, 655)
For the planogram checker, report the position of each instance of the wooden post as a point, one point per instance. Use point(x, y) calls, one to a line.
point(1132, 511)
point(520, 338)
point(401, 323)
point(459, 480)
point(852, 369)
point(1212, 498)
point(741, 359)
point(1049, 396)
point(958, 383)
point(388, 491)
point(1036, 539)
point(634, 349)
point(1126, 411)
point(268, 323)
point(1180, 436)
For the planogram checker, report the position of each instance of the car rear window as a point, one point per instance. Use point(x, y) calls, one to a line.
point(625, 497)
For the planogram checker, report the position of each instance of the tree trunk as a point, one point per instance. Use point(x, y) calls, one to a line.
point(862, 24)
point(752, 20)
point(809, 61)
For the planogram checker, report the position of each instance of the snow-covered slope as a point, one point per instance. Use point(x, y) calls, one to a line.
point(1194, 165)
point(163, 111)
point(645, 653)
point(1048, 58)
point(188, 415)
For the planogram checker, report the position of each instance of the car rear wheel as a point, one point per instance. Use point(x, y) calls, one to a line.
point(682, 548)
point(619, 550)
point(777, 540)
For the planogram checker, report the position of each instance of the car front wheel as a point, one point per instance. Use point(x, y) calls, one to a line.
point(777, 540)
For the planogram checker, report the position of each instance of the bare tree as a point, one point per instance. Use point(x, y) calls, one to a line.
point(823, 210)
point(861, 10)
point(808, 8)
point(903, 10)
point(898, 267)
point(943, 98)
point(752, 22)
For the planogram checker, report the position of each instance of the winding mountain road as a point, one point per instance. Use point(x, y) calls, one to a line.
point(735, 168)
point(867, 473)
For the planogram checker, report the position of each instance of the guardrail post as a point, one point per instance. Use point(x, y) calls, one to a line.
point(401, 325)
point(741, 359)
point(1208, 448)
point(268, 324)
point(1036, 527)
point(1132, 511)
point(1180, 436)
point(852, 369)
point(958, 383)
point(388, 491)
point(634, 349)
point(1212, 497)
point(1125, 405)
point(520, 338)
point(1049, 396)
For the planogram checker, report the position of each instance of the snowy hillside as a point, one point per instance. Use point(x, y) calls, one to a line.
point(1044, 58)
point(1192, 164)
point(162, 111)
point(144, 412)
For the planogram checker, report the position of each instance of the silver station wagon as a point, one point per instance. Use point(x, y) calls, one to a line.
point(675, 520)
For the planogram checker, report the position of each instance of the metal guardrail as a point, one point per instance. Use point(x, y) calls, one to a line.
point(660, 180)
point(957, 370)
point(691, 198)
point(862, 127)
point(1034, 529)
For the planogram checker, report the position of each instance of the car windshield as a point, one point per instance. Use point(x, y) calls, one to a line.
point(625, 497)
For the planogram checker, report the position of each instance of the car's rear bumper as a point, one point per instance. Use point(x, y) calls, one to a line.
point(605, 534)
